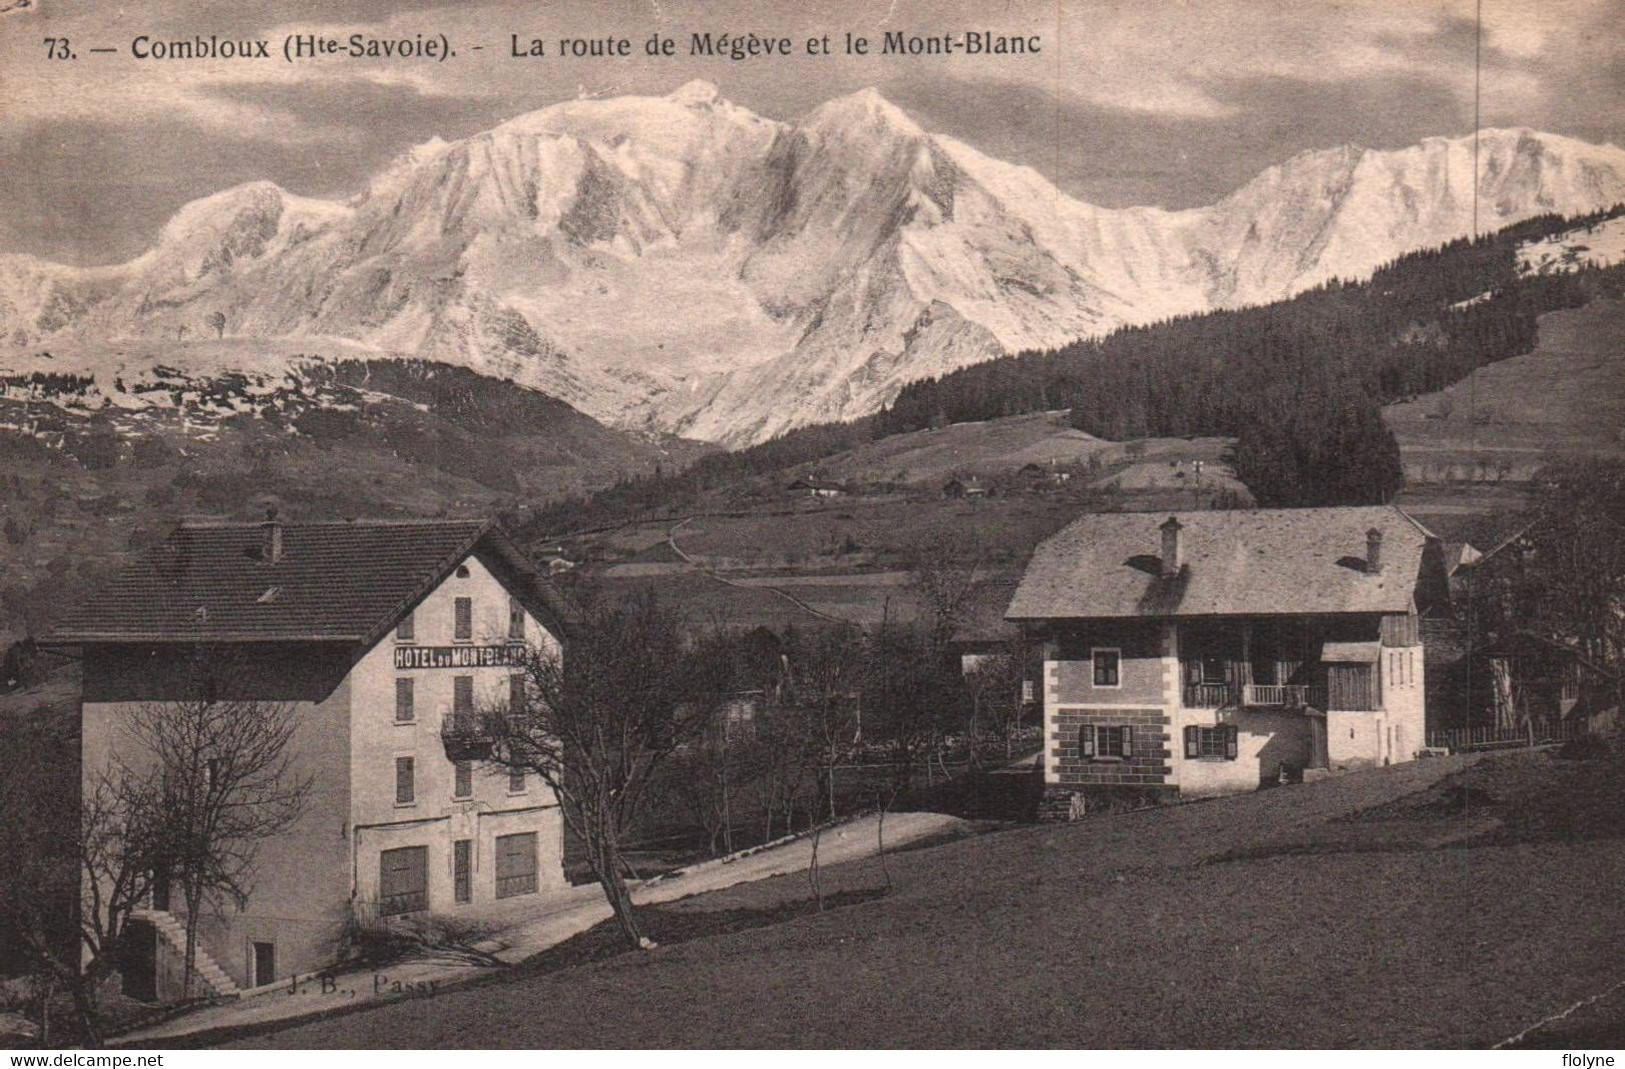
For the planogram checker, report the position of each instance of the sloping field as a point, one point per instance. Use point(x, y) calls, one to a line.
point(1438, 904)
point(1566, 396)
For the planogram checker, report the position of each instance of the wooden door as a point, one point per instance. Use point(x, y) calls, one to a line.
point(264, 964)
point(516, 864)
point(403, 880)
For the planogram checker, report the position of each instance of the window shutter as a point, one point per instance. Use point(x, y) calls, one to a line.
point(516, 619)
point(1128, 742)
point(464, 619)
point(462, 695)
point(405, 785)
point(403, 630)
point(1230, 742)
point(1086, 740)
point(1192, 743)
point(404, 711)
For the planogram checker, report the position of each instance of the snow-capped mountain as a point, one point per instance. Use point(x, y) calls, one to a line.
point(679, 263)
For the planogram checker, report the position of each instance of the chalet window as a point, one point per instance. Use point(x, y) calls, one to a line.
point(406, 787)
point(462, 571)
point(404, 710)
point(462, 779)
point(462, 696)
point(465, 620)
point(403, 630)
point(516, 620)
point(1214, 670)
point(1108, 667)
point(1213, 743)
point(1097, 741)
point(516, 781)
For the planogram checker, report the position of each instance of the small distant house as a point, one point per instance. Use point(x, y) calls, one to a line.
point(810, 487)
point(967, 487)
point(1215, 652)
point(1037, 475)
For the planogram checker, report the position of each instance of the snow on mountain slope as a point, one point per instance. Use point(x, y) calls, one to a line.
point(682, 264)
point(1599, 245)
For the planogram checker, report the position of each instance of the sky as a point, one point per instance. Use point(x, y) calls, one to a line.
point(1172, 103)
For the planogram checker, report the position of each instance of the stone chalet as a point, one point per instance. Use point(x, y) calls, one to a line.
point(374, 633)
point(1214, 652)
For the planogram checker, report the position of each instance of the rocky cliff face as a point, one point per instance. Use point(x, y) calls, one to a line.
point(679, 263)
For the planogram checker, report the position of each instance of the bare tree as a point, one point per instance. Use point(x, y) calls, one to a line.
point(596, 723)
point(826, 680)
point(994, 687)
point(222, 782)
point(943, 579)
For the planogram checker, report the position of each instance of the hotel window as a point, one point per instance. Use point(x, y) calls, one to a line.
point(516, 620)
point(1213, 743)
point(516, 781)
point(1108, 664)
point(465, 620)
point(462, 696)
point(404, 711)
point(403, 630)
point(405, 781)
point(462, 779)
point(1111, 741)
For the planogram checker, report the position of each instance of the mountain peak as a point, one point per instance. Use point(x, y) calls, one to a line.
point(697, 92)
point(864, 108)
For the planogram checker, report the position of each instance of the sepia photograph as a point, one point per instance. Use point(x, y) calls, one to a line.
point(1043, 525)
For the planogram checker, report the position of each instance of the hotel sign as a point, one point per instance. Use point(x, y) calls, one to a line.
point(460, 656)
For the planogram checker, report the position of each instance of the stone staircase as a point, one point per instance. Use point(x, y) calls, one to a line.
point(172, 932)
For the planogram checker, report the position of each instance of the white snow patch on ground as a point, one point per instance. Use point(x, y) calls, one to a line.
point(1600, 245)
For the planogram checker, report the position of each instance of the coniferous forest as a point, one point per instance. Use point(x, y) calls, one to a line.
point(1299, 383)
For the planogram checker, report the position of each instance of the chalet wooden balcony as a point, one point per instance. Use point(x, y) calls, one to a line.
point(464, 737)
point(1283, 696)
point(1254, 696)
point(1209, 695)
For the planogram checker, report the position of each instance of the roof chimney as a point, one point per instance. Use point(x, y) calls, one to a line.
point(271, 537)
point(1172, 558)
point(1373, 552)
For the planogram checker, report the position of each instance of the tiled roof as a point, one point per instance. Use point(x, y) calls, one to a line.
point(340, 581)
point(1243, 563)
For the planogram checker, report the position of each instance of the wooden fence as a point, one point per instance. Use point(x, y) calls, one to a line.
point(1459, 740)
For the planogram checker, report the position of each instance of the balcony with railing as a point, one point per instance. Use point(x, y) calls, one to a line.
point(1254, 696)
point(1283, 696)
point(465, 737)
point(1209, 695)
